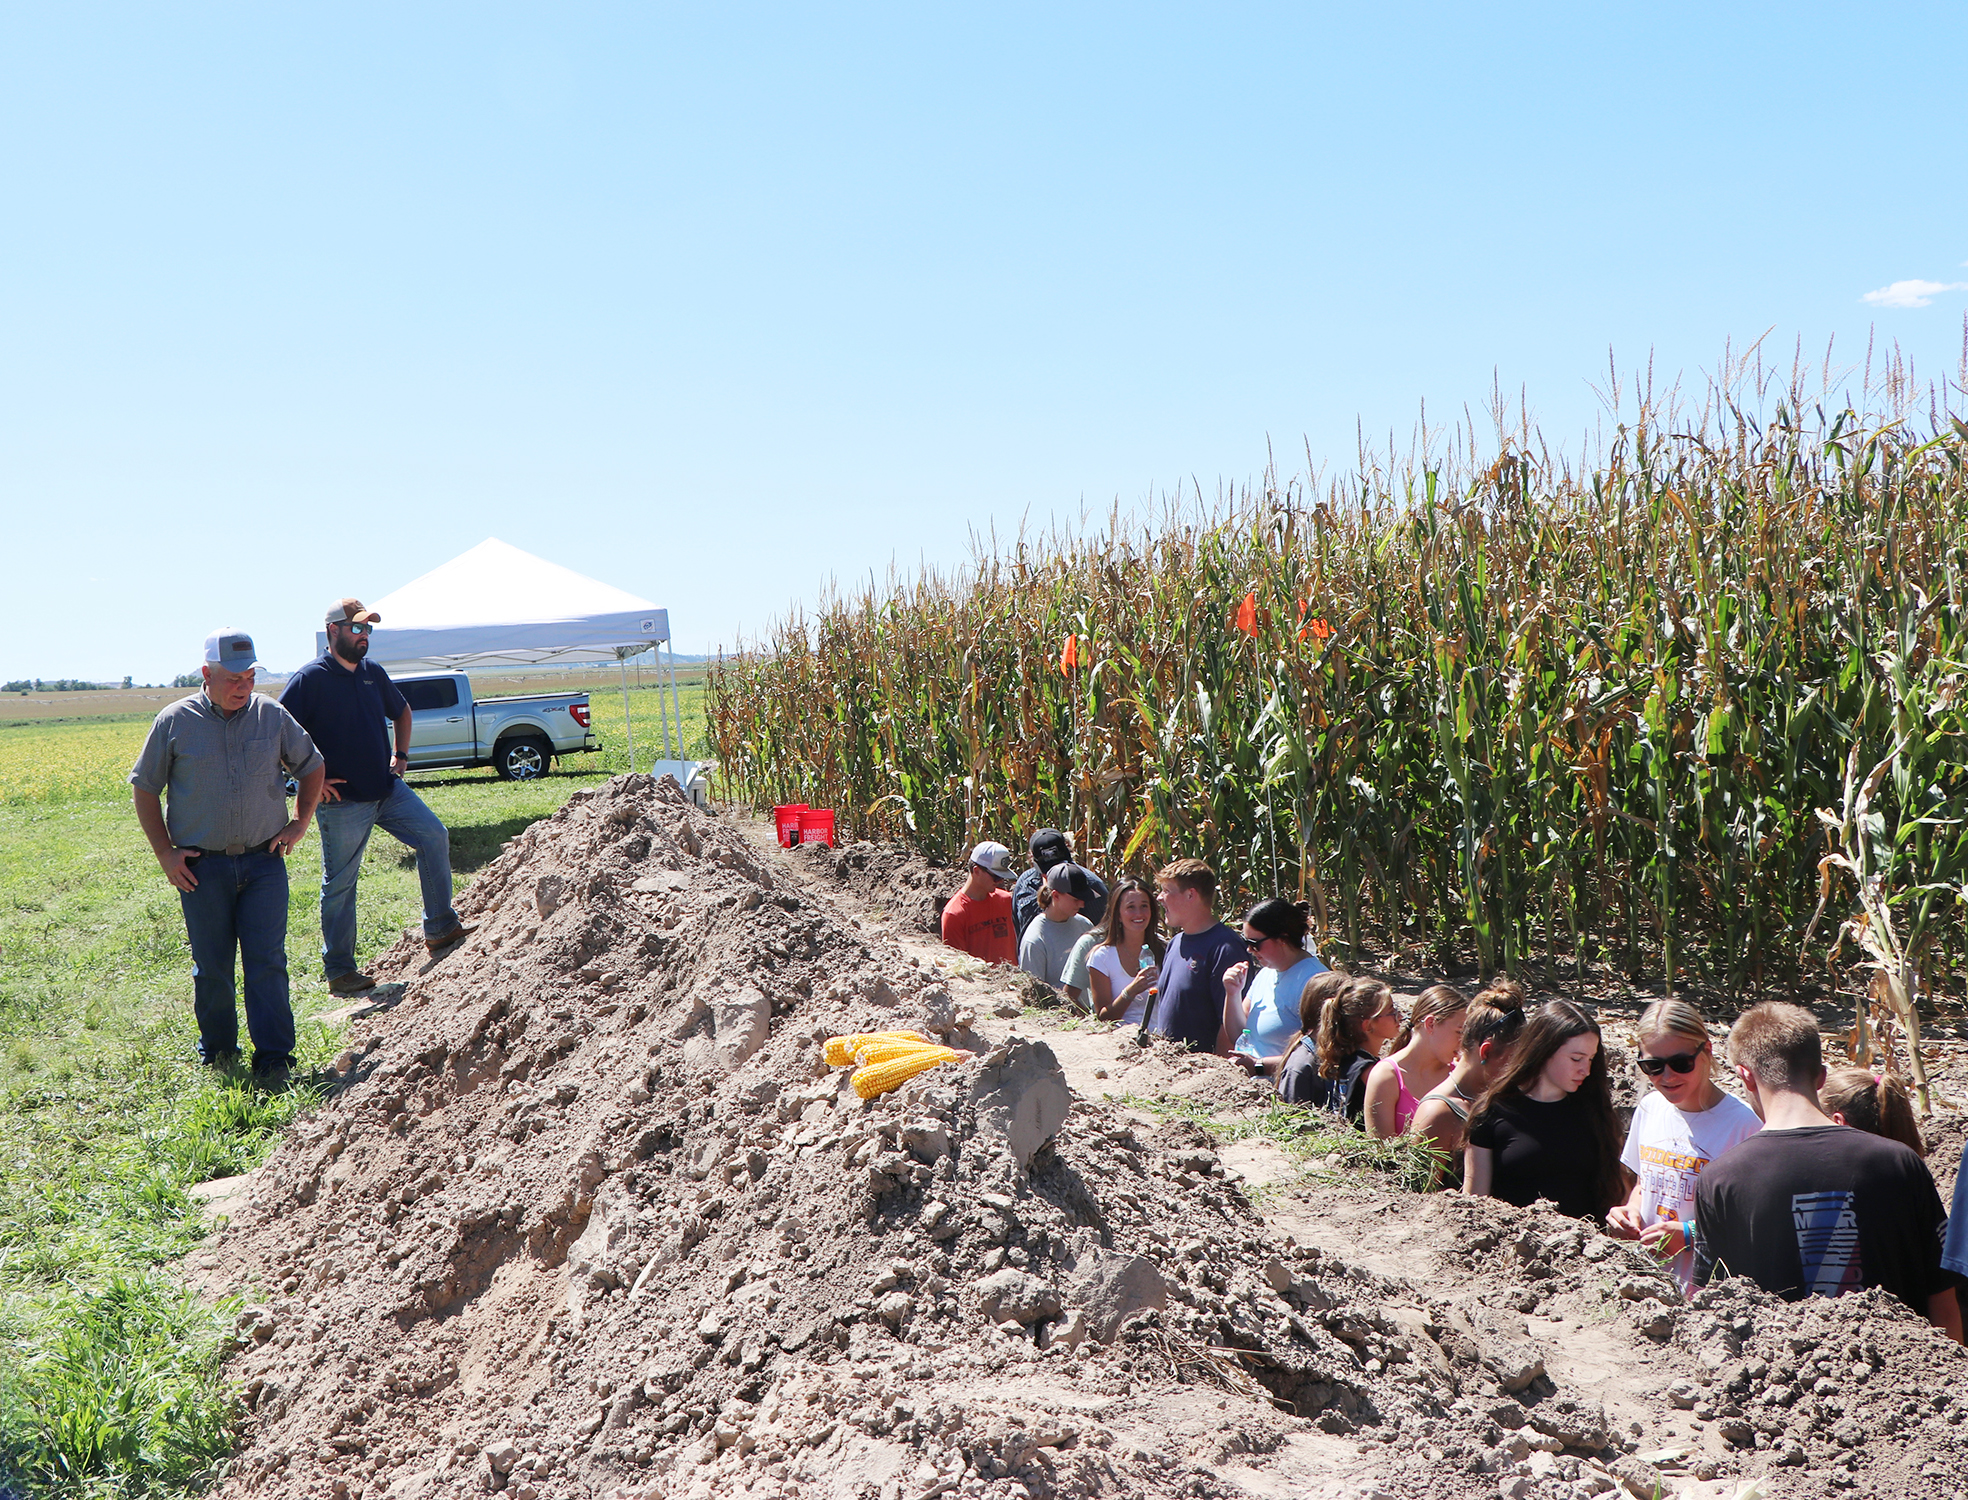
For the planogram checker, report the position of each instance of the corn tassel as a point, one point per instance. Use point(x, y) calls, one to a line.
point(871, 1079)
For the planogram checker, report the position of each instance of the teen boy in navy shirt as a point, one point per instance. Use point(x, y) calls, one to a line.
point(1188, 1007)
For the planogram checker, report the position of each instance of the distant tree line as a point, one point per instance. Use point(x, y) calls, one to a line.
point(77, 685)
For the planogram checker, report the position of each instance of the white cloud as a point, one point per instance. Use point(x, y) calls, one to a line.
point(1912, 293)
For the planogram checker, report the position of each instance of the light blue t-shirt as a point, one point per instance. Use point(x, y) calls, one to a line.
point(1271, 1007)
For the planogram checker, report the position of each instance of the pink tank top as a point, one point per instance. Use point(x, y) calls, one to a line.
point(1405, 1103)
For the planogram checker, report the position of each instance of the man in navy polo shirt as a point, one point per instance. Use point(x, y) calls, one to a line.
point(348, 706)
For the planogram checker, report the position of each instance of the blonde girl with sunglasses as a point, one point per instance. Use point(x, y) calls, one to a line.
point(1682, 1125)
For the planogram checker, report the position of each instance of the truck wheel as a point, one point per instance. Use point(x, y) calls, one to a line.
point(526, 758)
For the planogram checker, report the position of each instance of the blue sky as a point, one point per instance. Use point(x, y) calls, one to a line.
point(716, 304)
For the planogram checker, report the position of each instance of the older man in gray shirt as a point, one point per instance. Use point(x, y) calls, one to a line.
point(222, 757)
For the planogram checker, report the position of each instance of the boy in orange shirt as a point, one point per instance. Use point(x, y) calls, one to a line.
point(978, 918)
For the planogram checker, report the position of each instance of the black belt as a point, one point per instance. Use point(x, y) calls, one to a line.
point(238, 849)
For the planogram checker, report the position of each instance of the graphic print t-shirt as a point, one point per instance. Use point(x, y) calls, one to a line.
point(1667, 1150)
point(1821, 1211)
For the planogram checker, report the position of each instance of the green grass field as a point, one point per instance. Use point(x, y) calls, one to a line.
point(110, 1378)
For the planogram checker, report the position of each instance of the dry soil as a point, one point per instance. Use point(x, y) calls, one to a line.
point(588, 1215)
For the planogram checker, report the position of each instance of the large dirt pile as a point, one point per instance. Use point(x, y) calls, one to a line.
point(591, 1217)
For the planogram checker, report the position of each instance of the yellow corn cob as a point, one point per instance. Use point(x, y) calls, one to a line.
point(841, 1049)
point(887, 1050)
point(871, 1079)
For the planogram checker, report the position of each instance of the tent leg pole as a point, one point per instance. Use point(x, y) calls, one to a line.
point(676, 702)
point(628, 726)
point(659, 693)
point(668, 752)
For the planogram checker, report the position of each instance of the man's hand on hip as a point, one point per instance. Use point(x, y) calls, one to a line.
point(399, 763)
point(289, 838)
point(176, 865)
point(328, 792)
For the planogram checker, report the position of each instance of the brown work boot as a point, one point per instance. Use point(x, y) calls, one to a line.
point(454, 935)
point(350, 984)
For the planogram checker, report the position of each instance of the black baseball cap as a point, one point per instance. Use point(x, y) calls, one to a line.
point(1068, 879)
point(1049, 847)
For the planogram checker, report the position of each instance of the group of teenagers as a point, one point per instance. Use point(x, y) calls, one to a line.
point(1816, 1186)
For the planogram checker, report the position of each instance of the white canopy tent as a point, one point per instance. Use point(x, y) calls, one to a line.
point(496, 606)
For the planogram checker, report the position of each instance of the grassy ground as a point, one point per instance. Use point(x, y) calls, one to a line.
point(1314, 1141)
point(110, 1378)
point(87, 758)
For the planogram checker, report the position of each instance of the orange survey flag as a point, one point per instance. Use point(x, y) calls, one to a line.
point(1247, 614)
point(1316, 627)
point(1069, 654)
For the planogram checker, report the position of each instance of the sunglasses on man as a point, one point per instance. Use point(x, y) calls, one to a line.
point(355, 629)
point(1681, 1062)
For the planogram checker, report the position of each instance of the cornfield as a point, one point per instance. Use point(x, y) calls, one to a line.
point(1508, 709)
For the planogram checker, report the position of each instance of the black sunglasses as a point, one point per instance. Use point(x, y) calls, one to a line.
point(354, 629)
point(1681, 1062)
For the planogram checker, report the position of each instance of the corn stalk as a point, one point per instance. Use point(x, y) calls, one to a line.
point(1547, 715)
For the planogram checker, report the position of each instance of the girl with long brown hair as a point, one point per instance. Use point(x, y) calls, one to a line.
point(1424, 1054)
point(1299, 1081)
point(1127, 954)
point(1546, 1128)
point(1873, 1102)
point(1355, 1025)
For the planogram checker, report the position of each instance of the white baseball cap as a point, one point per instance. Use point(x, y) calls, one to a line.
point(994, 860)
point(231, 649)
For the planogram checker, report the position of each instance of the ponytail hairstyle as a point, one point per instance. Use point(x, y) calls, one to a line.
point(1343, 1022)
point(1555, 1023)
point(1496, 1016)
point(1312, 1000)
point(1439, 1001)
point(1288, 921)
point(1873, 1102)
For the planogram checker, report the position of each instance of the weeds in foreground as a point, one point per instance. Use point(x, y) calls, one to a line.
point(1310, 1137)
point(128, 1399)
point(109, 1380)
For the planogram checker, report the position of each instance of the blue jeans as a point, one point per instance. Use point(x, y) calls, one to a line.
point(240, 904)
point(345, 829)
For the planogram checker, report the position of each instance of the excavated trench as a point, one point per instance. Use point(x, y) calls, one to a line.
point(589, 1216)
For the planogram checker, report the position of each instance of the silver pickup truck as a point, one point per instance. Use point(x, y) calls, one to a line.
point(518, 737)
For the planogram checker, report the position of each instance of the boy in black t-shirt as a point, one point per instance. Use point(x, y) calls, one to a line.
point(1807, 1207)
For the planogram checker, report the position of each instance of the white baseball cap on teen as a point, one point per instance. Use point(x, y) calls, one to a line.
point(994, 860)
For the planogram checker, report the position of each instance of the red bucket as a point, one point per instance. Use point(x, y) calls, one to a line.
point(817, 823)
point(786, 820)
